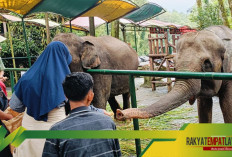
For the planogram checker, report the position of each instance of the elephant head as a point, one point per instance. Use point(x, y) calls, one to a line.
point(201, 51)
point(84, 53)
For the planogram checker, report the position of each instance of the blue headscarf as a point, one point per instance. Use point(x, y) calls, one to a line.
point(40, 88)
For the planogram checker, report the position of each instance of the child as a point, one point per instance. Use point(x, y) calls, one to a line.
point(3, 105)
point(3, 116)
point(2, 78)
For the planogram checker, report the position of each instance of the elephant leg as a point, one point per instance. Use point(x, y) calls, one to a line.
point(225, 99)
point(205, 109)
point(126, 100)
point(114, 104)
point(101, 89)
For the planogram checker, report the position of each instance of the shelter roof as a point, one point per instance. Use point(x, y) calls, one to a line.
point(42, 22)
point(69, 8)
point(153, 22)
point(7, 17)
point(82, 23)
point(109, 10)
point(2, 38)
point(145, 12)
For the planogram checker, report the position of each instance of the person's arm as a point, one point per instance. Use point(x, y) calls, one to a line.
point(16, 104)
point(51, 149)
point(51, 146)
point(5, 116)
point(92, 108)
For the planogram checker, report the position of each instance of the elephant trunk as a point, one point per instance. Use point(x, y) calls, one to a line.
point(181, 92)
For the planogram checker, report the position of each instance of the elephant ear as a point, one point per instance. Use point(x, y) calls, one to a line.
point(89, 56)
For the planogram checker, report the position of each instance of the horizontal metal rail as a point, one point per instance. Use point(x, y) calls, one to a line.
point(183, 75)
point(19, 57)
point(16, 69)
point(180, 75)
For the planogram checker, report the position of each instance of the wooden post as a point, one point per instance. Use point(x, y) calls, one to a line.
point(27, 47)
point(162, 46)
point(62, 24)
point(115, 29)
point(169, 81)
point(107, 28)
point(136, 47)
point(4, 28)
point(12, 52)
point(91, 26)
point(151, 61)
point(166, 42)
point(70, 26)
point(157, 44)
point(124, 33)
point(47, 28)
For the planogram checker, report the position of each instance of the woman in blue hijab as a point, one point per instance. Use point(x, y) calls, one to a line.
point(40, 92)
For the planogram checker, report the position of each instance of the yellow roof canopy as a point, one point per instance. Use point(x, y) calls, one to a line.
point(70, 8)
point(109, 10)
point(18, 6)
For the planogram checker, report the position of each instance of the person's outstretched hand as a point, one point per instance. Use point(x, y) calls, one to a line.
point(106, 113)
point(5, 116)
point(3, 79)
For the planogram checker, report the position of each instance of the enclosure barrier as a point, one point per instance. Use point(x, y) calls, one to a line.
point(132, 73)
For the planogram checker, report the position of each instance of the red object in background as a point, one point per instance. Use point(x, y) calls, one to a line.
point(186, 29)
point(181, 30)
point(3, 86)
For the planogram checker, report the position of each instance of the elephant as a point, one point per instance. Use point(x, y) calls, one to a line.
point(208, 50)
point(102, 53)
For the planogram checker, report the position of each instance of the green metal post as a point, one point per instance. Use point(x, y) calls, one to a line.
point(136, 48)
point(70, 26)
point(107, 28)
point(134, 105)
point(27, 47)
point(12, 81)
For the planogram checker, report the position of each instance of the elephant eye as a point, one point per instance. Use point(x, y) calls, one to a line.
point(207, 66)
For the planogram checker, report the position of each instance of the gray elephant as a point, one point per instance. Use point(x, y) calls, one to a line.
point(102, 53)
point(209, 50)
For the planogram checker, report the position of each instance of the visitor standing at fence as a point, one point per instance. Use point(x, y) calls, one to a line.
point(40, 93)
point(3, 104)
point(78, 88)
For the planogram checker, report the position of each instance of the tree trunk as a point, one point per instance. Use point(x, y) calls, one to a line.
point(199, 8)
point(47, 28)
point(230, 5)
point(5, 29)
point(223, 12)
point(115, 29)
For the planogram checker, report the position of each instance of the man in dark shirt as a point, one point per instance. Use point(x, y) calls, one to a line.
point(78, 89)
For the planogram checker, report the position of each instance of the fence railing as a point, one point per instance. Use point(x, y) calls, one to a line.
point(132, 73)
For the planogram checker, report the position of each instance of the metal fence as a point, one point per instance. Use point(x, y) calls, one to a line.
point(132, 73)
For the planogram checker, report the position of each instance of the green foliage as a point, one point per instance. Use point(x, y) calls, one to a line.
point(176, 18)
point(209, 15)
point(36, 37)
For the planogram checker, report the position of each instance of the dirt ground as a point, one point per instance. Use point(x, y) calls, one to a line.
point(145, 96)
